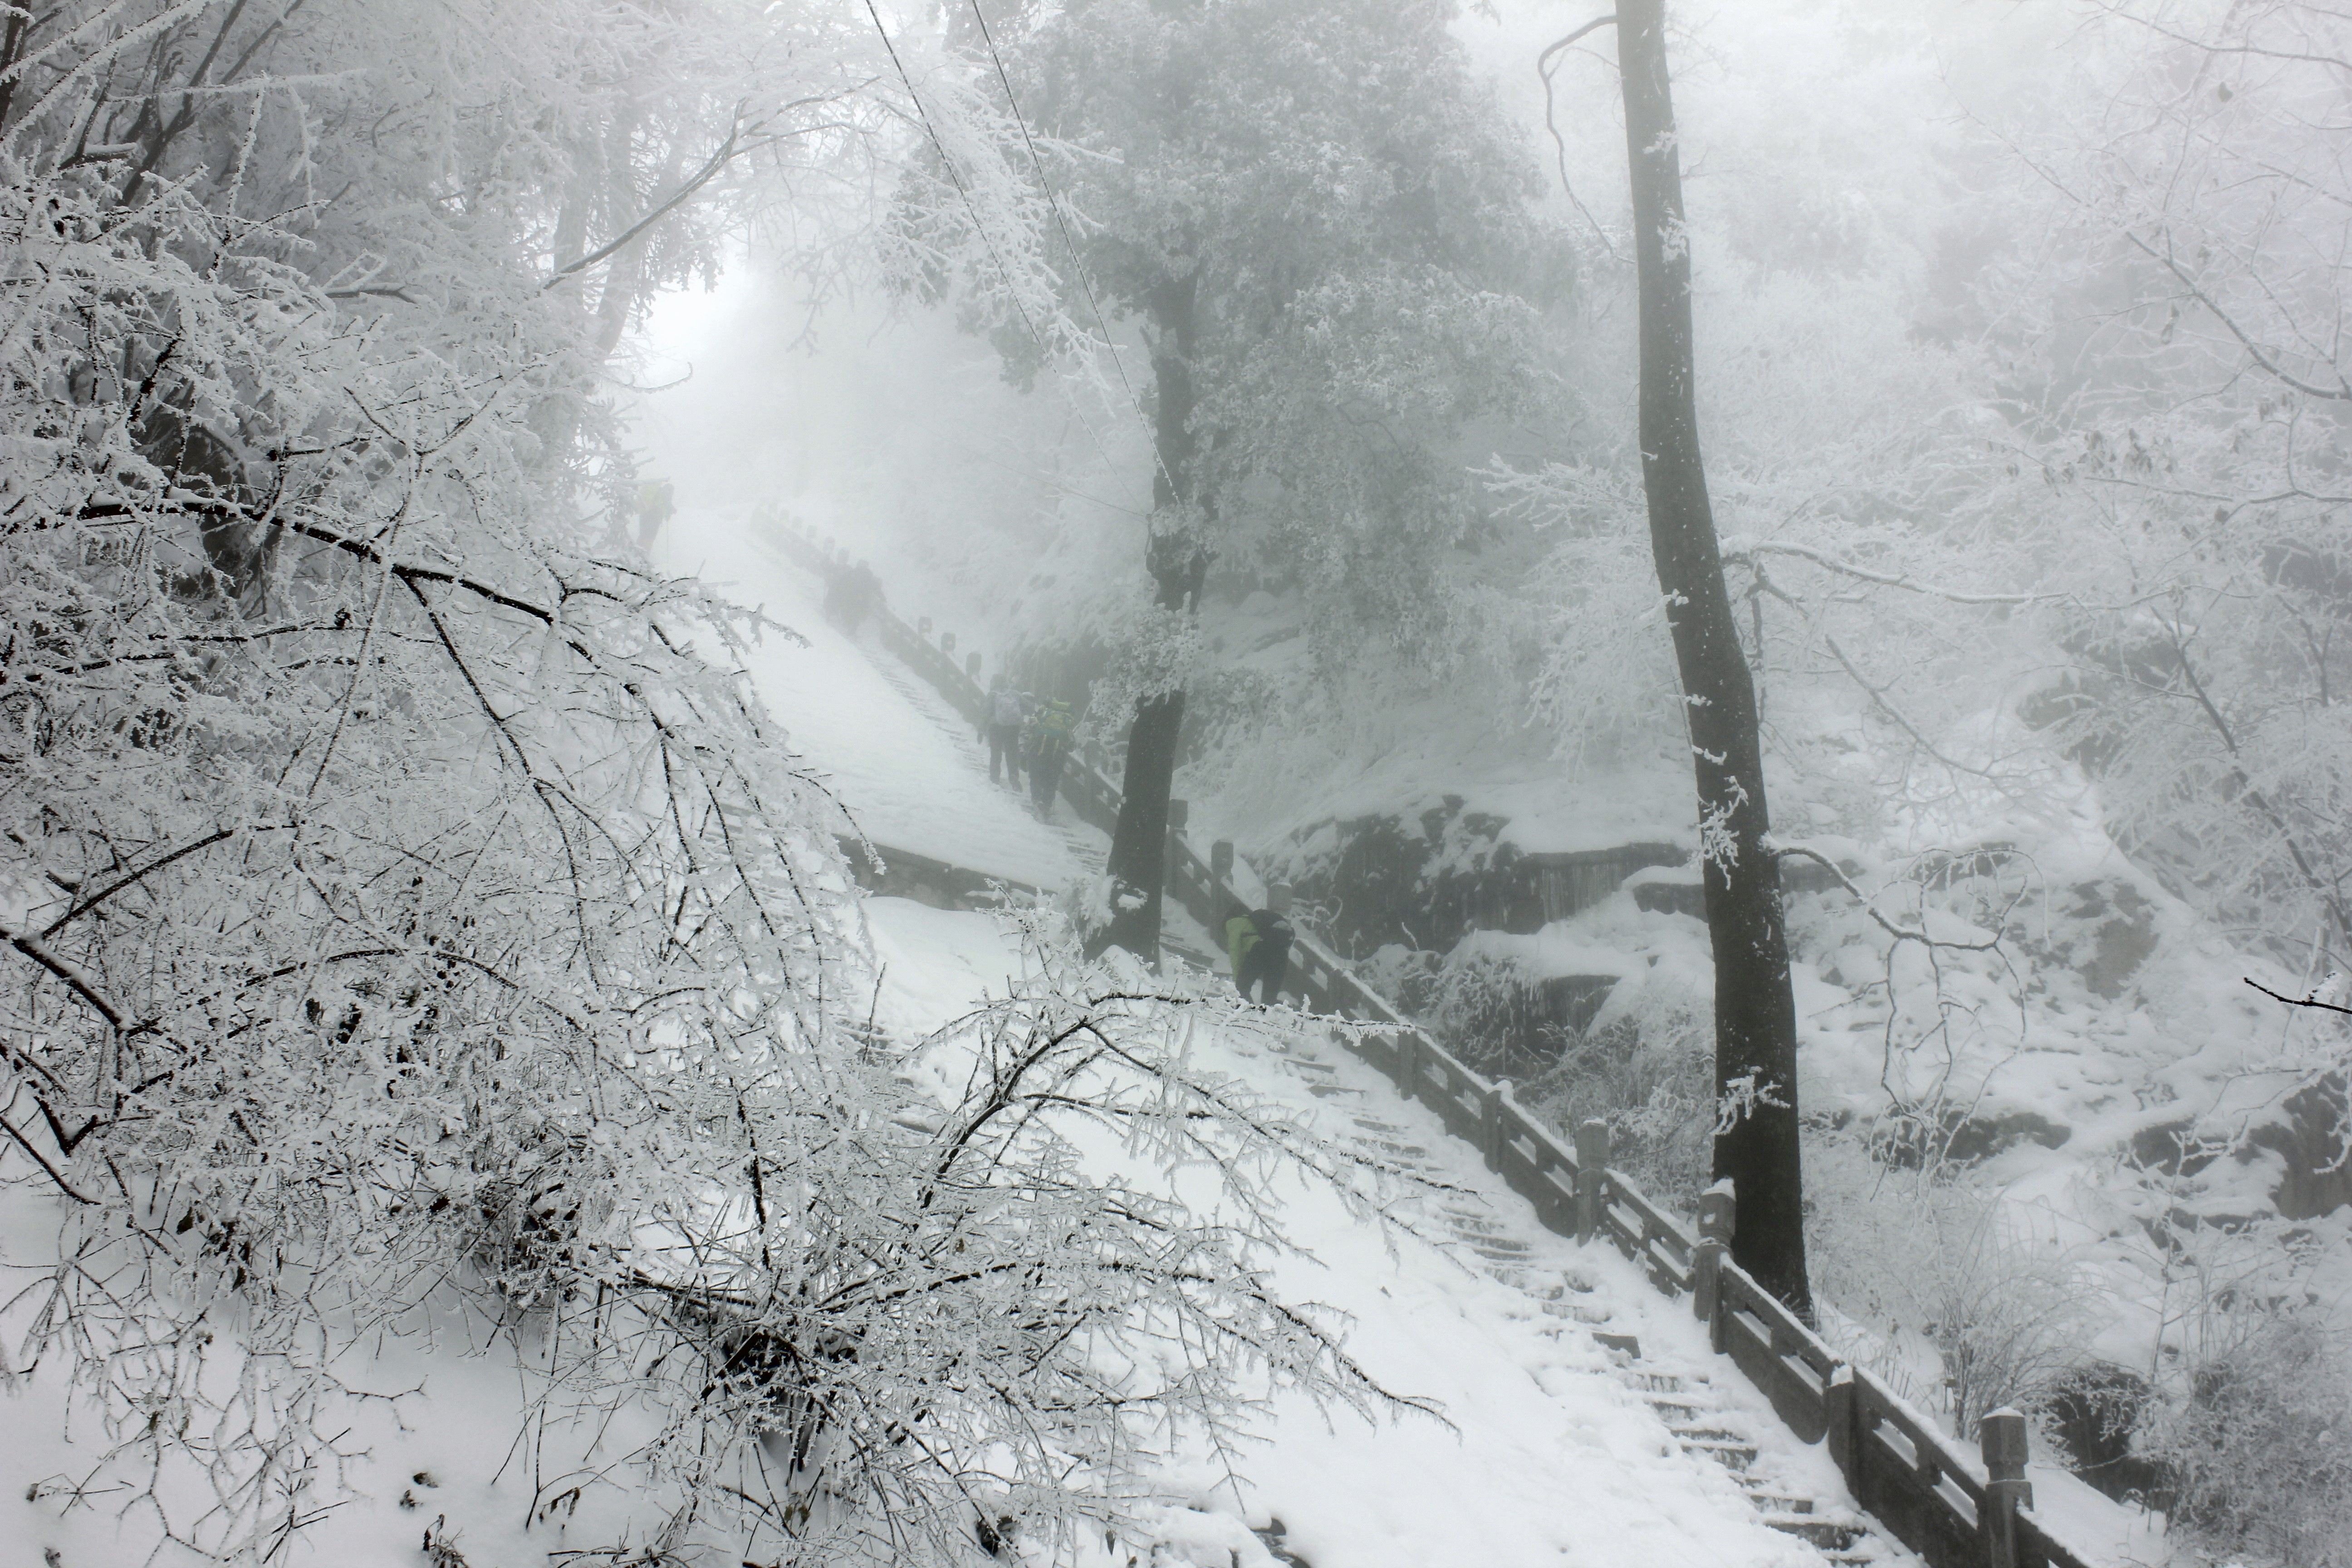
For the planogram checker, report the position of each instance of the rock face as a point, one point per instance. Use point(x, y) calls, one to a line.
point(2314, 1136)
point(1428, 883)
point(1404, 893)
point(2311, 1134)
point(2119, 942)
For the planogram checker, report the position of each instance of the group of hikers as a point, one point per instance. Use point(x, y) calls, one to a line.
point(1026, 735)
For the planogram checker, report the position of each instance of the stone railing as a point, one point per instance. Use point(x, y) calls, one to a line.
point(1955, 1510)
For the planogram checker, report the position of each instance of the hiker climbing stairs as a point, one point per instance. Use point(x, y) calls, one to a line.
point(1085, 845)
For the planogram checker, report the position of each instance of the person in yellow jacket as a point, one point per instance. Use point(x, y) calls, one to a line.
point(1258, 942)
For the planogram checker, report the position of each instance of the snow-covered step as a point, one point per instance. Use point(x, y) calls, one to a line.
point(1498, 1235)
point(1829, 1534)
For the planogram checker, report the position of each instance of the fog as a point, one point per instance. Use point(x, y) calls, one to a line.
point(814, 748)
point(2017, 392)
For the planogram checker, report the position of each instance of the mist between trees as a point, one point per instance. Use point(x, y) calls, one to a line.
point(416, 921)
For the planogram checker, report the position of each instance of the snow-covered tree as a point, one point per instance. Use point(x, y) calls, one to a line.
point(412, 916)
point(1322, 228)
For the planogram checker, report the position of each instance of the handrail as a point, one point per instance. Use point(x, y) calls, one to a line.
point(1901, 1470)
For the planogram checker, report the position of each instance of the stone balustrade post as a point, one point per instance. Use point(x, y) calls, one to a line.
point(1221, 861)
point(1843, 1439)
point(1408, 1063)
point(2000, 1438)
point(1499, 1095)
point(972, 667)
point(1591, 1162)
point(1179, 813)
point(947, 642)
point(1717, 1213)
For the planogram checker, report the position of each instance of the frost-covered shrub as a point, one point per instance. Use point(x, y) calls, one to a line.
point(1490, 1010)
point(2094, 1414)
point(416, 925)
point(2256, 1455)
point(1959, 1301)
point(1407, 976)
point(1647, 1068)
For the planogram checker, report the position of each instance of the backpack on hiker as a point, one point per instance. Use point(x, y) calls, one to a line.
point(1054, 727)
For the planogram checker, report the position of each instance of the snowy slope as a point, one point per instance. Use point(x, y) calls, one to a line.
point(1545, 1450)
point(888, 752)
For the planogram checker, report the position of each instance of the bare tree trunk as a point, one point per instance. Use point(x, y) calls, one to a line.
point(1178, 561)
point(1755, 1012)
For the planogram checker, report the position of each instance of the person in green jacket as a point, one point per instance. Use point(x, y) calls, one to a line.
point(1258, 942)
point(1049, 746)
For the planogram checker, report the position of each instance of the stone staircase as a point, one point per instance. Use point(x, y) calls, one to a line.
point(1503, 1242)
point(1781, 1389)
point(1487, 1240)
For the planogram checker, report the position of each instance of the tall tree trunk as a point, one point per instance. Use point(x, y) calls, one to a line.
point(1178, 559)
point(1755, 1012)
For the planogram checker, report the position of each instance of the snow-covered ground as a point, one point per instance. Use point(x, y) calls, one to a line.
point(1545, 1451)
point(1549, 1449)
point(882, 745)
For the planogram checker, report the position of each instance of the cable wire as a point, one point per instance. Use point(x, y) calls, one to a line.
point(1054, 205)
point(1012, 287)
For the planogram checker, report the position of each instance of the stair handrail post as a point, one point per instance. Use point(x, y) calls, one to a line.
point(1716, 1213)
point(1843, 1439)
point(972, 667)
point(1221, 861)
point(947, 642)
point(1591, 1175)
point(2000, 1439)
point(1408, 1063)
point(1490, 1117)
